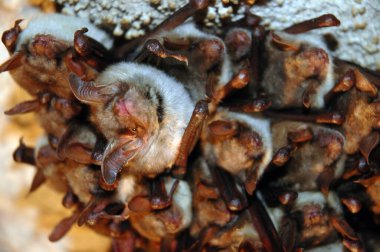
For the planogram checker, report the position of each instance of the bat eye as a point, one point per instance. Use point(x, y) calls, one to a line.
point(139, 130)
point(128, 131)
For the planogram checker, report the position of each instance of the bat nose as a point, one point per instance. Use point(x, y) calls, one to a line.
point(124, 107)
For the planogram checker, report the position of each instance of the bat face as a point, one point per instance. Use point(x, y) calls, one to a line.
point(359, 103)
point(239, 144)
point(238, 42)
point(309, 221)
point(311, 211)
point(238, 235)
point(197, 53)
point(39, 53)
point(300, 71)
point(156, 225)
point(139, 109)
point(252, 143)
point(321, 152)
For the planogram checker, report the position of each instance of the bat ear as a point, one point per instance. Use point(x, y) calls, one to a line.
point(14, 62)
point(9, 37)
point(117, 154)
point(88, 91)
point(93, 52)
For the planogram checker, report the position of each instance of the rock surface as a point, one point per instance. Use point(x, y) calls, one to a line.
point(358, 35)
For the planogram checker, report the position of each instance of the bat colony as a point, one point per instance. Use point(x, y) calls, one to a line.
point(184, 140)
